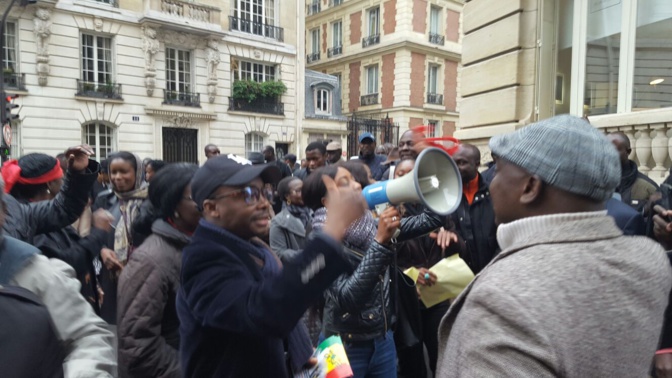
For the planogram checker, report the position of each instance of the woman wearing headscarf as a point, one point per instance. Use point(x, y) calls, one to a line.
point(358, 304)
point(125, 202)
point(289, 227)
point(148, 326)
point(38, 177)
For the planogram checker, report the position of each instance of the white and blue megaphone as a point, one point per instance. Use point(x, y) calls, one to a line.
point(435, 182)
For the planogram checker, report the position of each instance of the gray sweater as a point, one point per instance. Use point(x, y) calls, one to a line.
point(568, 296)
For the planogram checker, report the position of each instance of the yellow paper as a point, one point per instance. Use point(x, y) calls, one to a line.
point(413, 273)
point(452, 276)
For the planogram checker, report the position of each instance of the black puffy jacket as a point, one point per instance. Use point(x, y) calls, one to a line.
point(358, 305)
point(24, 221)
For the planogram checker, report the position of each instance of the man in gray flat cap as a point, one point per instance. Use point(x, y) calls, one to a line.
point(568, 295)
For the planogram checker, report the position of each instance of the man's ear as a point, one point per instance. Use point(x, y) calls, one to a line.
point(210, 209)
point(533, 190)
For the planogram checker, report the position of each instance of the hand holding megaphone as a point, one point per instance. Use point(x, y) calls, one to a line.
point(388, 224)
point(344, 206)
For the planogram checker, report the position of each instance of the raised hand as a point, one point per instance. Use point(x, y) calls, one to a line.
point(344, 206)
point(78, 156)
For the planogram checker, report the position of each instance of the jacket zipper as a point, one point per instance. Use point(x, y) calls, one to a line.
point(382, 300)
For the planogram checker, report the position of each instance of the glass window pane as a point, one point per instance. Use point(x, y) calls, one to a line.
point(434, 20)
point(652, 84)
point(602, 57)
point(563, 75)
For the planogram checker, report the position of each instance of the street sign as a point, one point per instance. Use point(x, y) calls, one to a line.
point(7, 134)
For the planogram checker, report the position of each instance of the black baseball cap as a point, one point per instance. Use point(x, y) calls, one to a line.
point(229, 170)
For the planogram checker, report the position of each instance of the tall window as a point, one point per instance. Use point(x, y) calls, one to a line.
point(253, 143)
point(259, 12)
point(10, 46)
point(258, 72)
point(337, 34)
point(372, 79)
point(435, 20)
point(431, 128)
point(178, 70)
point(432, 78)
point(374, 21)
point(315, 40)
point(100, 137)
point(96, 59)
point(322, 101)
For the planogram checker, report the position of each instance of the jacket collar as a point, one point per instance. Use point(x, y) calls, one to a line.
point(162, 228)
point(286, 220)
point(555, 228)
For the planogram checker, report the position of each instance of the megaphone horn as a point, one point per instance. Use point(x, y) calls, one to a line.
point(435, 182)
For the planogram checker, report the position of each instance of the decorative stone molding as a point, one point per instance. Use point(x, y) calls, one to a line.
point(181, 121)
point(176, 38)
point(212, 58)
point(98, 23)
point(42, 31)
point(150, 46)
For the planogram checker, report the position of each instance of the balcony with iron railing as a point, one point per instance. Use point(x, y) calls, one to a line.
point(436, 39)
point(333, 3)
point(259, 105)
point(369, 99)
point(314, 57)
point(98, 90)
point(167, 10)
point(334, 51)
point(435, 98)
point(256, 28)
point(313, 8)
point(371, 40)
point(181, 98)
point(13, 80)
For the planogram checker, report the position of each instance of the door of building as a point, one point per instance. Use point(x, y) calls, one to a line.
point(281, 149)
point(180, 145)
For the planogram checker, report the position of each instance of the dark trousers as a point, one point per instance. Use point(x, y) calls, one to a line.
point(412, 359)
point(373, 358)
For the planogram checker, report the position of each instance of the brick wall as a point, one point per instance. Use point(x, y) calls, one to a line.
point(452, 25)
point(356, 28)
point(420, 16)
point(448, 128)
point(387, 81)
point(450, 85)
point(412, 122)
point(389, 16)
point(355, 73)
point(417, 80)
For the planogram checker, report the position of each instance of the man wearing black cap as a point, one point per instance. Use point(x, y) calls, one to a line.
point(367, 154)
point(238, 305)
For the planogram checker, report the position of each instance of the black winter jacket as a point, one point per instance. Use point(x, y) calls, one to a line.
point(358, 305)
point(24, 221)
point(475, 223)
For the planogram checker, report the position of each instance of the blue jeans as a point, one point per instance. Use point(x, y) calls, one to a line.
point(373, 358)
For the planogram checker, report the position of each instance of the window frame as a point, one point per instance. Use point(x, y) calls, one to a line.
point(437, 68)
point(13, 46)
point(315, 40)
point(95, 49)
point(439, 12)
point(326, 101)
point(432, 125)
point(186, 84)
point(337, 36)
point(268, 15)
point(369, 76)
point(249, 70)
point(373, 25)
point(111, 132)
point(250, 142)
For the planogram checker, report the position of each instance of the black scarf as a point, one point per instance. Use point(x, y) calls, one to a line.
point(304, 214)
point(629, 174)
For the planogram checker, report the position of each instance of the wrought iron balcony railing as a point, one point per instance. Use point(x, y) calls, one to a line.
point(14, 80)
point(369, 99)
point(260, 105)
point(436, 39)
point(435, 98)
point(181, 98)
point(338, 50)
point(371, 40)
point(98, 90)
point(257, 28)
point(314, 57)
point(313, 8)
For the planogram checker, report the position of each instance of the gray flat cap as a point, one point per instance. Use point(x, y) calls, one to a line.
point(565, 152)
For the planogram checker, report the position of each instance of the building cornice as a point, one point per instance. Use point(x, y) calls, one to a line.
point(197, 113)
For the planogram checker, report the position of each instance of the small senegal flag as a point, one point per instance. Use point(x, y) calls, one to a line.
point(332, 362)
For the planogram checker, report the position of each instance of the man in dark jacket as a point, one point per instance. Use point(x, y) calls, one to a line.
point(635, 187)
point(367, 154)
point(475, 218)
point(24, 221)
point(237, 303)
point(316, 157)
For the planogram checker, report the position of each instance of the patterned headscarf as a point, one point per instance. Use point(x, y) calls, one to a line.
point(129, 205)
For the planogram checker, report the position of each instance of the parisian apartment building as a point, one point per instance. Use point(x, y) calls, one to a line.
point(396, 60)
point(161, 78)
point(607, 60)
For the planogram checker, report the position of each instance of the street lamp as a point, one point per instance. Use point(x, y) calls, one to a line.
point(3, 109)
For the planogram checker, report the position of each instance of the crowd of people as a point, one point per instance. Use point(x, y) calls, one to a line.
point(243, 266)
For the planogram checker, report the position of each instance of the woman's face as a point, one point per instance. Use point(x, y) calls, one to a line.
point(122, 175)
point(149, 172)
point(294, 196)
point(187, 211)
point(344, 178)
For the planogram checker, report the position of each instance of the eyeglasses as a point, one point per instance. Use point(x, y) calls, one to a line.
point(251, 194)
